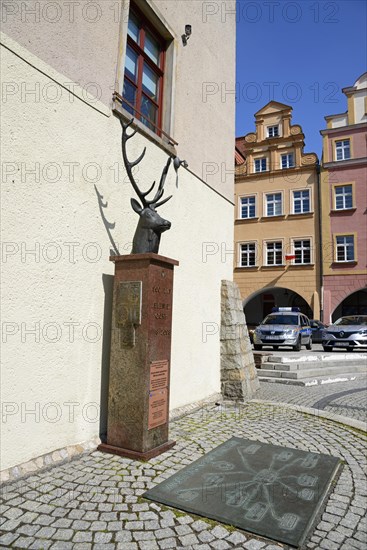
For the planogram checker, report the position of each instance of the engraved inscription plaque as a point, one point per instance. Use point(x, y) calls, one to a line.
point(158, 408)
point(158, 375)
point(128, 314)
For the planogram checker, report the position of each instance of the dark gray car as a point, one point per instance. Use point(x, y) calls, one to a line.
point(317, 330)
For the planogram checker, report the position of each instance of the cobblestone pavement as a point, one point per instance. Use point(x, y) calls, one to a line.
point(95, 501)
point(323, 397)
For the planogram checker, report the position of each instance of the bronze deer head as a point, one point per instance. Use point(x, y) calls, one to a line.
point(150, 226)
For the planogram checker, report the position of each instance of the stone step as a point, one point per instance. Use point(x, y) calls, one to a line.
point(310, 369)
point(310, 373)
point(308, 365)
point(315, 380)
point(311, 357)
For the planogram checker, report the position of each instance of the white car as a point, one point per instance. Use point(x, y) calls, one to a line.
point(285, 326)
point(349, 332)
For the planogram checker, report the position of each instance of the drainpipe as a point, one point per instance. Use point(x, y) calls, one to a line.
point(321, 259)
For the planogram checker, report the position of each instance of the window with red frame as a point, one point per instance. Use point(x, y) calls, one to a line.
point(143, 78)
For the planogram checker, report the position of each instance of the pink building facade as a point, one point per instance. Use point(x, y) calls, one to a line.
point(343, 185)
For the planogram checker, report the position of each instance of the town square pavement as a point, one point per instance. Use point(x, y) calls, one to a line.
point(95, 501)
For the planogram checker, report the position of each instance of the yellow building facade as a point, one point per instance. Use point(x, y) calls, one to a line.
point(276, 217)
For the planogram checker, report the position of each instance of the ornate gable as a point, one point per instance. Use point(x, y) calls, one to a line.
point(273, 107)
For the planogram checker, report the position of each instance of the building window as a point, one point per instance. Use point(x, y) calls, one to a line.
point(248, 207)
point(345, 248)
point(301, 201)
point(144, 72)
point(248, 255)
point(302, 251)
point(342, 149)
point(274, 253)
point(260, 165)
point(273, 131)
point(287, 161)
point(274, 204)
point(343, 197)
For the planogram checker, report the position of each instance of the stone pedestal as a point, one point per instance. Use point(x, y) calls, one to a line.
point(138, 403)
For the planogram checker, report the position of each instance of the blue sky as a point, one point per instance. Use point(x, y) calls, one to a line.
point(300, 53)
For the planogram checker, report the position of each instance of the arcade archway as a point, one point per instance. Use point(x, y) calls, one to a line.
point(260, 303)
point(354, 304)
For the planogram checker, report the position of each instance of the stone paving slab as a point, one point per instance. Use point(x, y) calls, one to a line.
point(95, 501)
point(353, 404)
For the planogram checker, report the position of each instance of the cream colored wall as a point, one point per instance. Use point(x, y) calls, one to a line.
point(360, 106)
point(205, 87)
point(339, 121)
point(55, 372)
point(70, 37)
point(82, 43)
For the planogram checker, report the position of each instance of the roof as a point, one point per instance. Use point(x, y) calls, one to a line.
point(239, 158)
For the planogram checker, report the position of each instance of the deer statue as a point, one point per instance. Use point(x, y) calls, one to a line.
point(150, 227)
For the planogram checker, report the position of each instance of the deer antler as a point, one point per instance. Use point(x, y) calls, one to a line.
point(129, 165)
point(154, 202)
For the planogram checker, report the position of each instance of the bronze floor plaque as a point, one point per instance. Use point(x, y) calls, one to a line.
point(275, 492)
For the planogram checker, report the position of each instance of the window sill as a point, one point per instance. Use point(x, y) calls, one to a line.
point(278, 266)
point(342, 211)
point(301, 215)
point(247, 267)
point(246, 220)
point(344, 263)
point(121, 113)
point(270, 218)
point(300, 266)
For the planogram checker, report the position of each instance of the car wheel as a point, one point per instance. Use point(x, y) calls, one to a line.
point(309, 345)
point(297, 347)
point(257, 347)
point(328, 348)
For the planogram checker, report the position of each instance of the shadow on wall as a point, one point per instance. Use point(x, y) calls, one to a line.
point(105, 359)
point(114, 250)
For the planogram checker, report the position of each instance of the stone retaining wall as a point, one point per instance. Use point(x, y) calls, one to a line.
point(238, 373)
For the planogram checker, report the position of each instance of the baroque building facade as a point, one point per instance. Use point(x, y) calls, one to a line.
point(276, 217)
point(344, 207)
